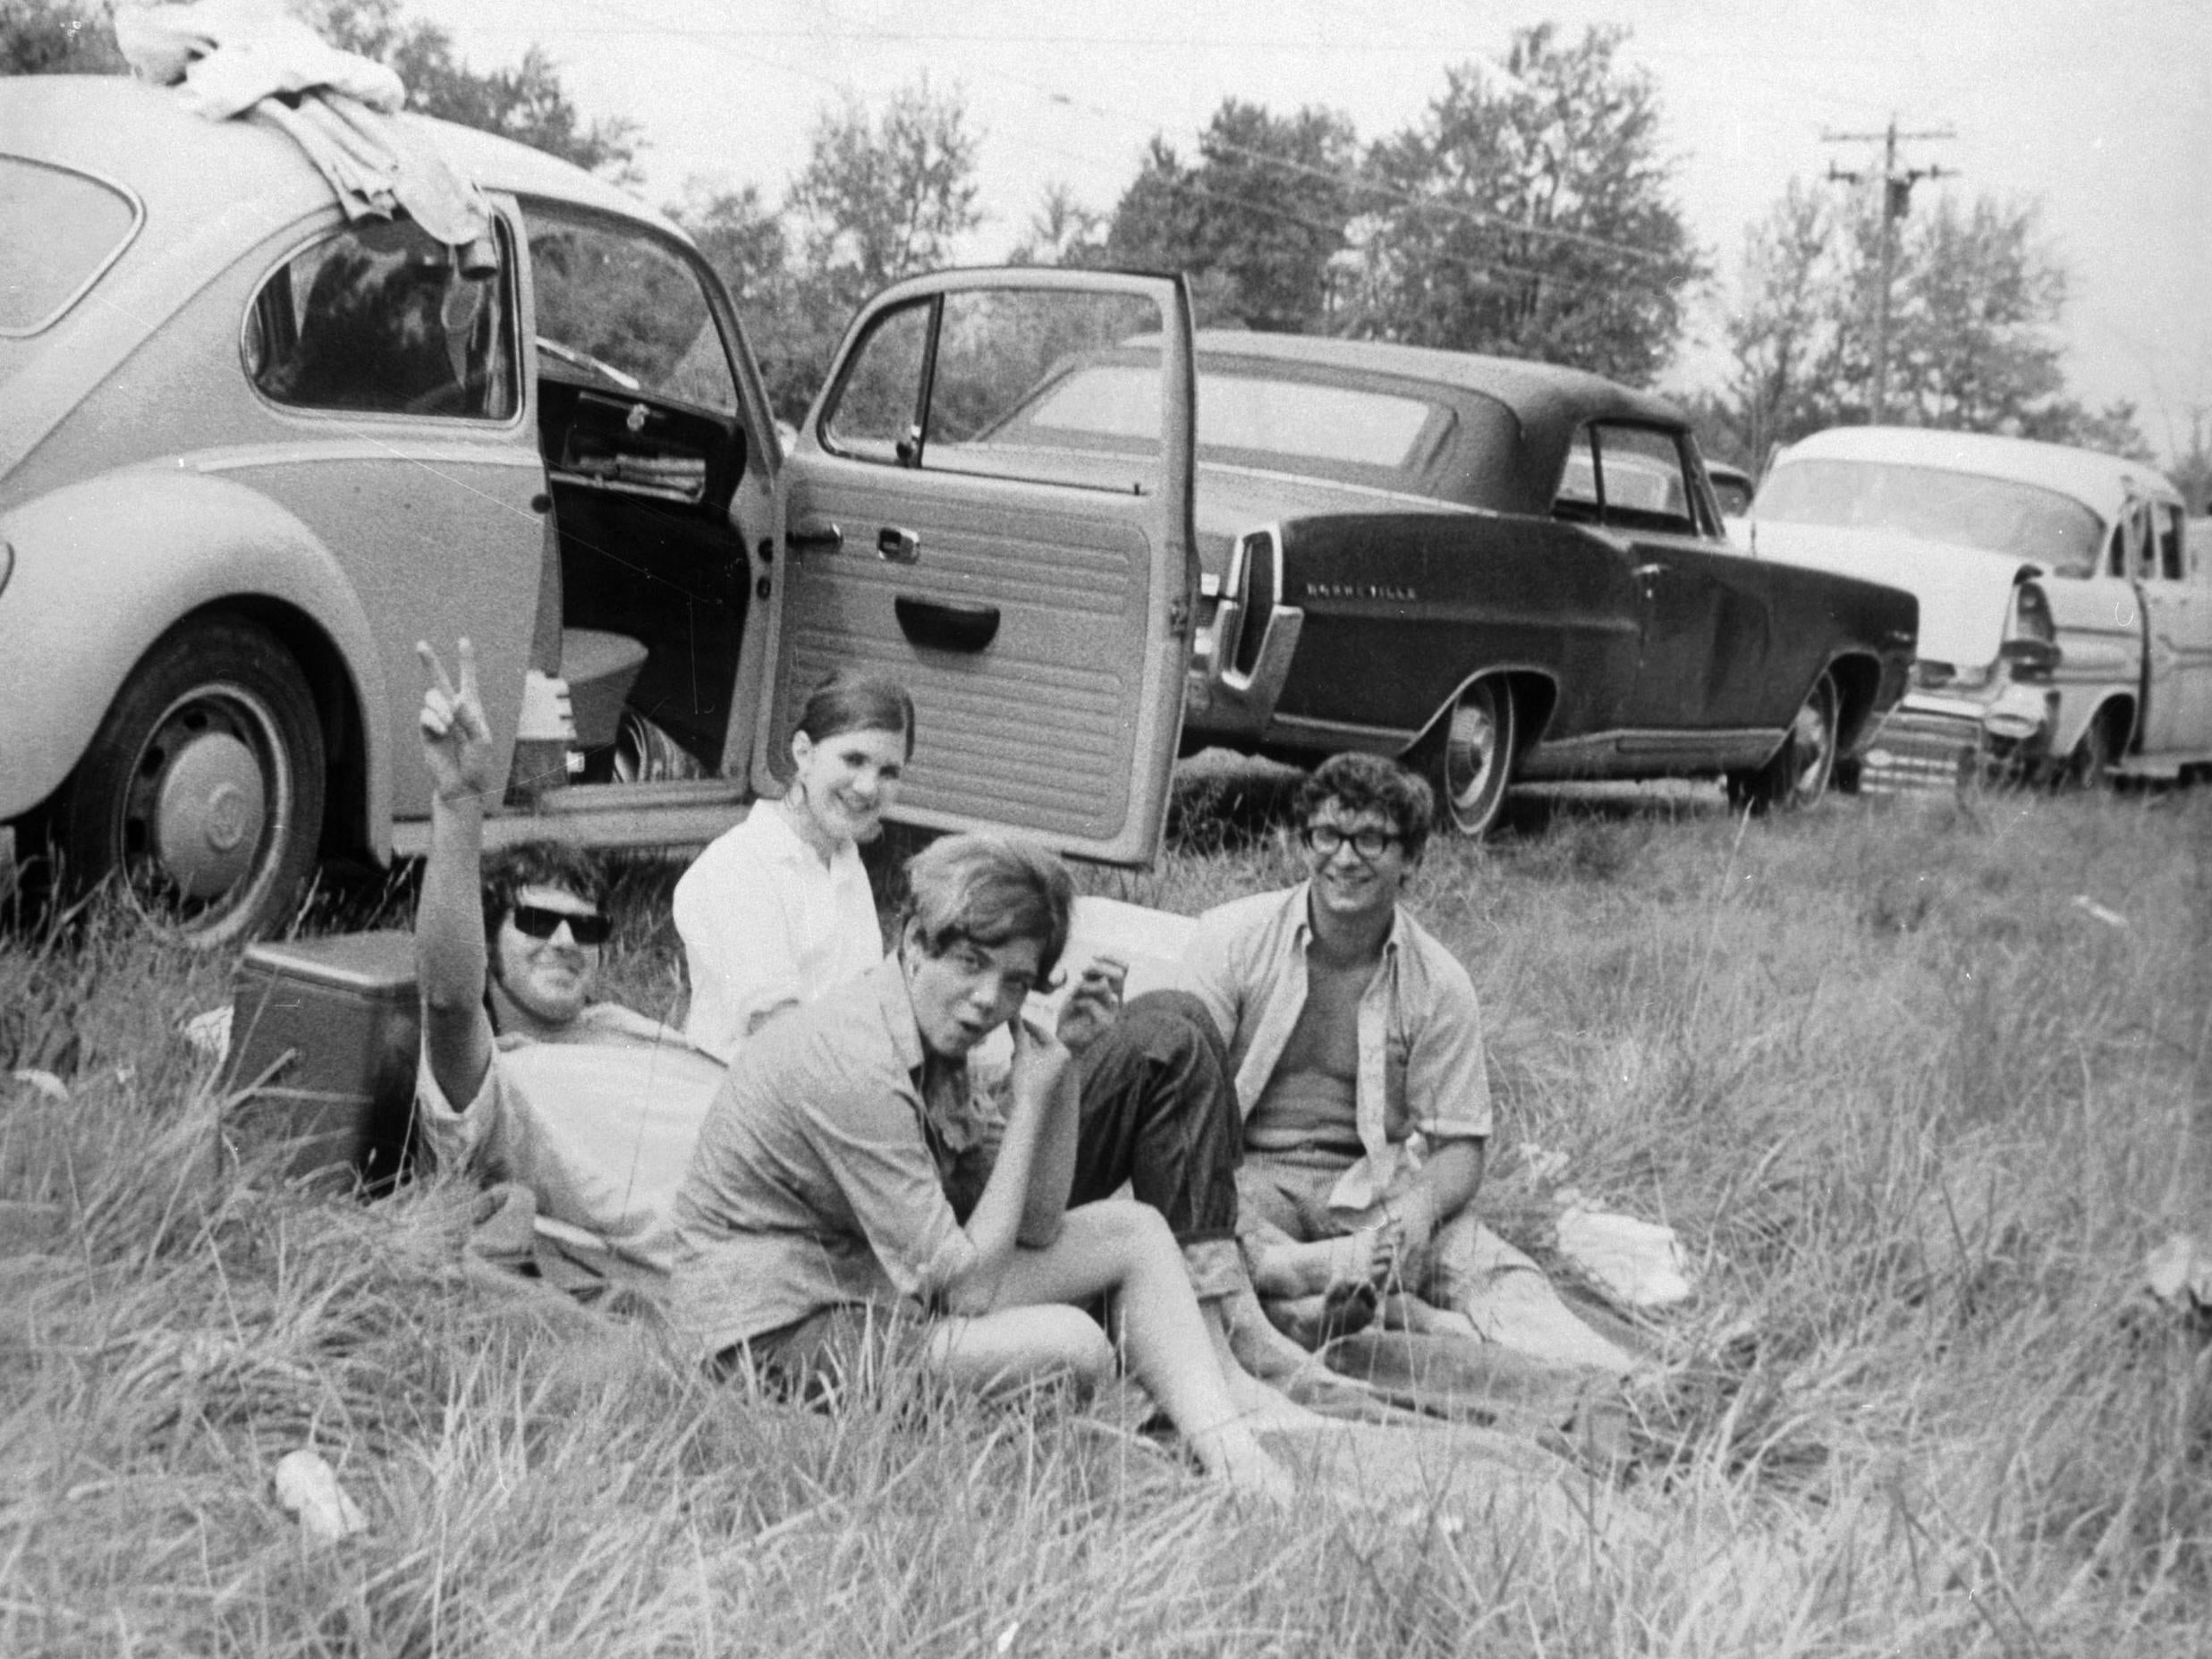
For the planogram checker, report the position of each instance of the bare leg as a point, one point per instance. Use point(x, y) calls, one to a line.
point(1126, 1247)
point(1015, 1348)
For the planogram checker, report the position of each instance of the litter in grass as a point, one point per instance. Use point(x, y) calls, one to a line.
point(1639, 1264)
point(308, 1488)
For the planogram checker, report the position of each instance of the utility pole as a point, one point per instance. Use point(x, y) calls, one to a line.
point(1896, 202)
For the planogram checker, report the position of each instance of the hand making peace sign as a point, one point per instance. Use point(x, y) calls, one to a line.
point(456, 739)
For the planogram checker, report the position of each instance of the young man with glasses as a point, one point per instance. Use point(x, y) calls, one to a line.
point(1356, 1045)
point(525, 1076)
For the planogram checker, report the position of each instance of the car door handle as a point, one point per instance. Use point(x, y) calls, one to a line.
point(814, 536)
point(1645, 573)
point(897, 546)
point(947, 624)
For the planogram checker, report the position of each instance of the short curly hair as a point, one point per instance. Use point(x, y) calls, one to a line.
point(1358, 781)
point(542, 863)
point(988, 890)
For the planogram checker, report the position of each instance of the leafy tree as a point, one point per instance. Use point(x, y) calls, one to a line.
point(55, 38)
point(1974, 302)
point(1529, 214)
point(526, 102)
point(1258, 220)
point(2191, 467)
point(1785, 335)
point(1062, 232)
point(881, 199)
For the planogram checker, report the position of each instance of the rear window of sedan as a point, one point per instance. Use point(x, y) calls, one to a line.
point(83, 226)
point(1355, 432)
point(1937, 505)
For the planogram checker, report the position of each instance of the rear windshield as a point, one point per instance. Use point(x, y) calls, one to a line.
point(82, 226)
point(1290, 425)
point(2024, 520)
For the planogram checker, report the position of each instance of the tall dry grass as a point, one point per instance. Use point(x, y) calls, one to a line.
point(1918, 1087)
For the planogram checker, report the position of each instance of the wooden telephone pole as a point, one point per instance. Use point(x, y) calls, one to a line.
point(1896, 202)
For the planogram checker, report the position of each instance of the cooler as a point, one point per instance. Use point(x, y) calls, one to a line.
point(325, 1033)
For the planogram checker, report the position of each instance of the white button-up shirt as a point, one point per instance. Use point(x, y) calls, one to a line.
point(1422, 1077)
point(766, 924)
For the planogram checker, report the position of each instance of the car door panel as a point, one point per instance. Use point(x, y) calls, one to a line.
point(1040, 624)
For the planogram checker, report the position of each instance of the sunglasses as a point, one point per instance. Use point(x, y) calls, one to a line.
point(589, 928)
point(1370, 844)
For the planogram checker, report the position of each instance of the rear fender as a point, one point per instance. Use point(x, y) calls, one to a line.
point(105, 567)
point(1534, 692)
point(1858, 688)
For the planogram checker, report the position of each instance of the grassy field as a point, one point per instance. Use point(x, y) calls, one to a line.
point(1918, 1084)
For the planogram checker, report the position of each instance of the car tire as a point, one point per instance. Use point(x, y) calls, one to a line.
point(1798, 773)
point(201, 794)
point(2090, 766)
point(1472, 761)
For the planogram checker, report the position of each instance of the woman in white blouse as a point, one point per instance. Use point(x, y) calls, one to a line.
point(778, 911)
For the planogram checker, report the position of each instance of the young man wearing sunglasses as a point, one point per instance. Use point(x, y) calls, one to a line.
point(525, 1077)
point(1356, 1045)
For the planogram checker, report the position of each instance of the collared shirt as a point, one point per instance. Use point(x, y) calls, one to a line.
point(1421, 1072)
point(766, 922)
point(599, 1126)
point(820, 1177)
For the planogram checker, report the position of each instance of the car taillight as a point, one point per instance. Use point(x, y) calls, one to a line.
point(2030, 634)
point(1257, 574)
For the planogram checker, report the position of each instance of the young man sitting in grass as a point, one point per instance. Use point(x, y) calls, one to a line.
point(853, 1202)
point(524, 1077)
point(1356, 1042)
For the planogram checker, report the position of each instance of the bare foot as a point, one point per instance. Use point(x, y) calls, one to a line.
point(1234, 1457)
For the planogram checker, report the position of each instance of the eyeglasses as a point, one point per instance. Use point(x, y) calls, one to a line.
point(589, 928)
point(1370, 844)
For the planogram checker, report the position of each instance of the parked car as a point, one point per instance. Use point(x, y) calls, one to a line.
point(1732, 487)
point(251, 451)
point(2065, 613)
point(1493, 569)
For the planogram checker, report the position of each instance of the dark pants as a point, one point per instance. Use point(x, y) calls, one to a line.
point(1159, 1112)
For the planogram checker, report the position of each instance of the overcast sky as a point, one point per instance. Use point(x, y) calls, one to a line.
point(2099, 109)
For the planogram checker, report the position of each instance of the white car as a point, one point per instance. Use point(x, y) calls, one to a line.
point(2065, 619)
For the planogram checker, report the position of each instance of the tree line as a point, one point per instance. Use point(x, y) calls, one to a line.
point(1528, 211)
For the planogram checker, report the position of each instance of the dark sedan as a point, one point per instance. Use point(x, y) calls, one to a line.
point(1495, 569)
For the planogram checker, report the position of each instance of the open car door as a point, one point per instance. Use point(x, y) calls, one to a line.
point(1034, 595)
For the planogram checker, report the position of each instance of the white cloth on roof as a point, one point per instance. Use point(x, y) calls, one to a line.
point(232, 54)
point(249, 57)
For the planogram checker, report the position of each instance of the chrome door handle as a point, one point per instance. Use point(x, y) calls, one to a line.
point(813, 535)
point(1646, 571)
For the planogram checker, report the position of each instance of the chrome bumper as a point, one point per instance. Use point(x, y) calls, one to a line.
point(1933, 742)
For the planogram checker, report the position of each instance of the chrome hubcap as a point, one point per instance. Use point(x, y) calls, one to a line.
point(1472, 751)
point(199, 816)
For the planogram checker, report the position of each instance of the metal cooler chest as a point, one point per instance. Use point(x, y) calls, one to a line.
point(324, 1033)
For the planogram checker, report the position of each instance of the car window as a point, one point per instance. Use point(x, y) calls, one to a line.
point(981, 382)
point(2116, 549)
point(2170, 566)
point(83, 225)
point(1629, 477)
point(383, 318)
point(1938, 505)
point(1732, 490)
point(616, 306)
